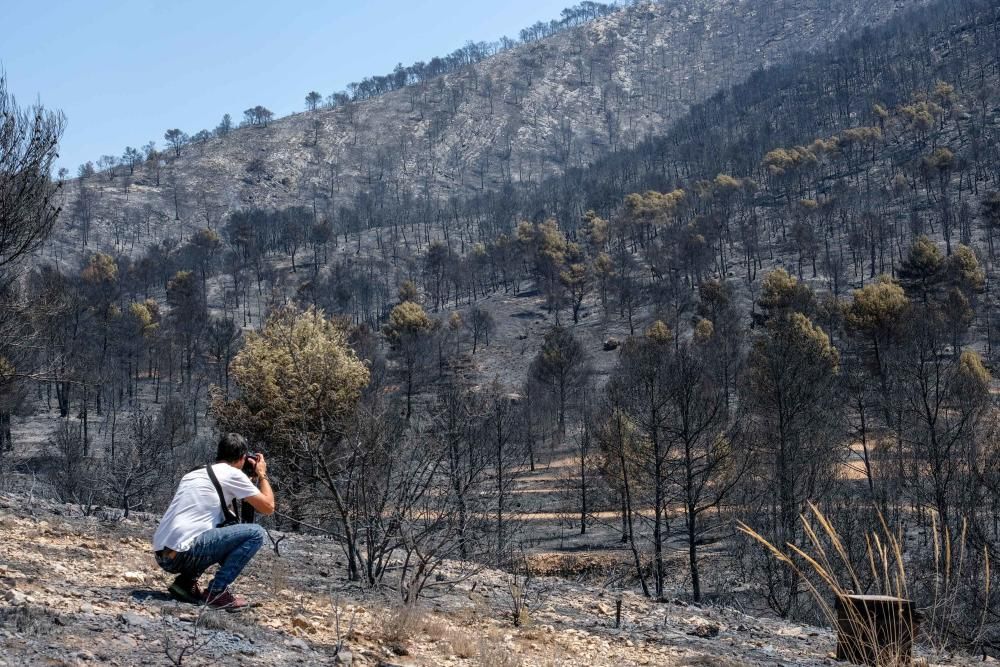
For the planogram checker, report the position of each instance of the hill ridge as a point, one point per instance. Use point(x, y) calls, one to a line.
point(515, 118)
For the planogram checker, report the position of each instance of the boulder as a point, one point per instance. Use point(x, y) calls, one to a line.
point(298, 644)
point(134, 620)
point(14, 596)
point(704, 629)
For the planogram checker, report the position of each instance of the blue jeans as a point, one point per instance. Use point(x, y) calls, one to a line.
point(232, 547)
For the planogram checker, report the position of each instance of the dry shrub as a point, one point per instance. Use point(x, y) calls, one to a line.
point(28, 620)
point(279, 575)
point(436, 629)
point(181, 643)
point(575, 566)
point(520, 592)
point(401, 623)
point(462, 644)
point(495, 655)
point(231, 623)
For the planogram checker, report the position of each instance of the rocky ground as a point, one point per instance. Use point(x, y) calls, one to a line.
point(78, 590)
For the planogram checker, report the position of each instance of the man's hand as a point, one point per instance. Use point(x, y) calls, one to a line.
point(263, 502)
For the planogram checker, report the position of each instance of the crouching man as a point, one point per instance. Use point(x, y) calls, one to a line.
point(192, 536)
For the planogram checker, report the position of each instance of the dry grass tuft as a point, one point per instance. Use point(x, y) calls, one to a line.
point(278, 575)
point(829, 565)
point(436, 629)
point(28, 620)
point(462, 644)
point(231, 623)
point(401, 623)
point(493, 655)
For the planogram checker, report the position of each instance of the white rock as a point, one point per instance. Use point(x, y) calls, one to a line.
point(298, 644)
point(15, 597)
point(130, 618)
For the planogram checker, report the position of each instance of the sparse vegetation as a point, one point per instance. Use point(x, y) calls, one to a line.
point(29, 620)
point(402, 623)
point(608, 285)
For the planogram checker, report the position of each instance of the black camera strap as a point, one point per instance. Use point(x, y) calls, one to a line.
point(228, 516)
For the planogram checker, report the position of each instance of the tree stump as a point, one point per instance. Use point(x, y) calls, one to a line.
point(875, 630)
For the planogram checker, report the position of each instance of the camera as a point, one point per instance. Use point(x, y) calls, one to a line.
point(250, 464)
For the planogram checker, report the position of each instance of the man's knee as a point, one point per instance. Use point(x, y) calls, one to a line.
point(257, 533)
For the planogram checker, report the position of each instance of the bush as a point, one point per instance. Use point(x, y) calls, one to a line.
point(401, 623)
point(72, 475)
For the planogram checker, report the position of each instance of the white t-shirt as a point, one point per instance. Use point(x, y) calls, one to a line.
point(196, 508)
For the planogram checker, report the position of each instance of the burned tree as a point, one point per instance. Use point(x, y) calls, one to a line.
point(29, 140)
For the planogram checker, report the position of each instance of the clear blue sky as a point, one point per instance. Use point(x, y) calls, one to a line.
point(125, 71)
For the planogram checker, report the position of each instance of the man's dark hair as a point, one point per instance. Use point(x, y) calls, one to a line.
point(232, 447)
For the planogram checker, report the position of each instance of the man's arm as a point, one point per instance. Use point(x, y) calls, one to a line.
point(263, 501)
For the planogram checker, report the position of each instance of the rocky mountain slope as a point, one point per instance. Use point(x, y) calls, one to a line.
point(78, 590)
point(516, 118)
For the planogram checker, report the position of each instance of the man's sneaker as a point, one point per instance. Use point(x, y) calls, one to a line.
point(224, 600)
point(181, 591)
